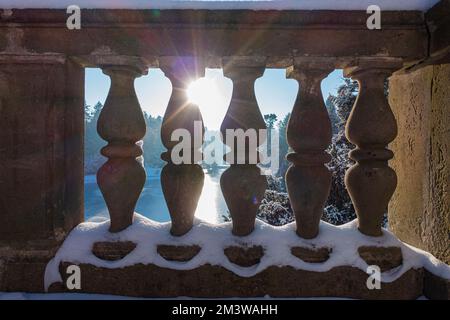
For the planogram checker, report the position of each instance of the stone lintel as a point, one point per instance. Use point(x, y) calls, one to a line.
point(218, 18)
point(187, 66)
point(244, 61)
point(218, 34)
point(101, 60)
point(358, 65)
point(32, 58)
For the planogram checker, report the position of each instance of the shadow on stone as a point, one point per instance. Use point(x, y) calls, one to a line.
point(386, 258)
point(178, 253)
point(311, 255)
point(112, 251)
point(436, 288)
point(243, 256)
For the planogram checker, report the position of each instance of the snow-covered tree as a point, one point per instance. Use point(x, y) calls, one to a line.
point(339, 208)
point(276, 208)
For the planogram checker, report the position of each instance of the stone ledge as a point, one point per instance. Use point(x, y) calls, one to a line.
point(213, 281)
point(279, 274)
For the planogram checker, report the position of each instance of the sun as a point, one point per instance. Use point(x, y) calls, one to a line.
point(211, 96)
point(203, 92)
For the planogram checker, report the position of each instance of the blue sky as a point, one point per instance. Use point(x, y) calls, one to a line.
point(275, 93)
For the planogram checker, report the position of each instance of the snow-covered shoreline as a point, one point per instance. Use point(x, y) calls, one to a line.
point(421, 5)
point(276, 241)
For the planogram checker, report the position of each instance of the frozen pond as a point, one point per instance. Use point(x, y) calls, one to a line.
point(151, 204)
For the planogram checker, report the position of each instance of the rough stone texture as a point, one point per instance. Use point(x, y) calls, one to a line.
point(419, 212)
point(436, 288)
point(41, 161)
point(22, 275)
point(41, 147)
point(244, 257)
point(22, 268)
point(112, 251)
point(224, 33)
point(213, 281)
point(311, 255)
point(386, 258)
point(178, 253)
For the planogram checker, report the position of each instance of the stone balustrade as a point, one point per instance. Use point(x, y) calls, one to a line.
point(34, 44)
point(371, 127)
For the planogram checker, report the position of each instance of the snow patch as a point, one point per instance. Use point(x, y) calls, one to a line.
point(422, 5)
point(277, 242)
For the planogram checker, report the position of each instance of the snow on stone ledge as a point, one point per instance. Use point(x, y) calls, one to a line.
point(276, 241)
point(421, 5)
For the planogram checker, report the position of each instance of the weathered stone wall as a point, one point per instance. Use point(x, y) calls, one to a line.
point(41, 163)
point(419, 212)
point(41, 153)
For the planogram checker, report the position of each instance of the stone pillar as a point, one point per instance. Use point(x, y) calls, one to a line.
point(242, 184)
point(419, 212)
point(371, 127)
point(121, 123)
point(309, 135)
point(182, 182)
point(41, 162)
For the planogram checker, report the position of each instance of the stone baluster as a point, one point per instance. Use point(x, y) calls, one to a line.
point(309, 134)
point(182, 182)
point(242, 184)
point(371, 127)
point(122, 124)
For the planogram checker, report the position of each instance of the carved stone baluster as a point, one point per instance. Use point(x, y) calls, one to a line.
point(121, 124)
point(371, 127)
point(182, 183)
point(242, 185)
point(309, 134)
